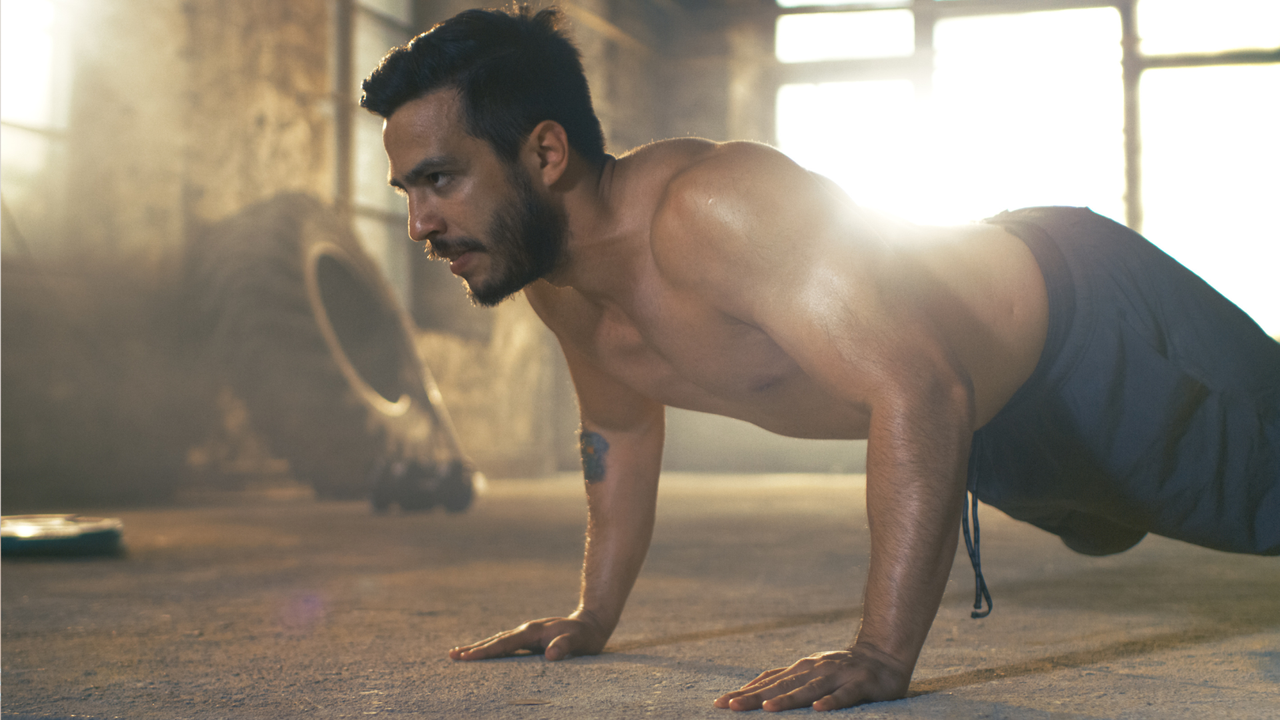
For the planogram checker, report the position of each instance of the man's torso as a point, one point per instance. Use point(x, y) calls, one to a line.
point(676, 344)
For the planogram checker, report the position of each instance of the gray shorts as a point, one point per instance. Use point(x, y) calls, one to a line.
point(1155, 406)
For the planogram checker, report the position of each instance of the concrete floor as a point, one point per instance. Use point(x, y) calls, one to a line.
point(279, 607)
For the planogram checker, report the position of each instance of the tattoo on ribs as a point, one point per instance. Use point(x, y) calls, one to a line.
point(594, 448)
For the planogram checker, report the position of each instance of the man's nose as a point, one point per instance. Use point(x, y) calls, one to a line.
point(425, 221)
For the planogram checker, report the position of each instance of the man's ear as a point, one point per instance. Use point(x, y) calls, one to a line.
point(546, 152)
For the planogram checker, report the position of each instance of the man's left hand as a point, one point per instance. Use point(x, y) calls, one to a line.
point(825, 681)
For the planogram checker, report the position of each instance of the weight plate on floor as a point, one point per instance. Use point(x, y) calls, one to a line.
point(59, 535)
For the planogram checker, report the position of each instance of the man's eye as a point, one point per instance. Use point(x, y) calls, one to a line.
point(438, 179)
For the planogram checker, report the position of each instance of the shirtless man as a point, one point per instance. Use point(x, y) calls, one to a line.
point(726, 279)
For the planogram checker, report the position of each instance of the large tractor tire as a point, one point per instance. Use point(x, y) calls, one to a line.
point(309, 333)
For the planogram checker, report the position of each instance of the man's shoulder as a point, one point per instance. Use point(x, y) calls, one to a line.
point(701, 164)
point(682, 165)
point(673, 155)
point(704, 183)
point(728, 204)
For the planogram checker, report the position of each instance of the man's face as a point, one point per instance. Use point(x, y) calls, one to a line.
point(525, 239)
point(481, 214)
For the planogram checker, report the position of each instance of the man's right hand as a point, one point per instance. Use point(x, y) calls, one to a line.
point(555, 638)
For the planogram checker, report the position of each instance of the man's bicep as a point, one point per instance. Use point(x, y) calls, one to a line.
point(604, 402)
point(621, 437)
point(859, 340)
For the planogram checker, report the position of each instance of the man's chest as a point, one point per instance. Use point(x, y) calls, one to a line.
point(687, 354)
point(682, 353)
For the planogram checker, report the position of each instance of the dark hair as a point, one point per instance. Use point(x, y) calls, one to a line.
point(512, 70)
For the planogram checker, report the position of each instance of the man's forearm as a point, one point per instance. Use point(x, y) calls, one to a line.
point(915, 459)
point(621, 473)
point(915, 490)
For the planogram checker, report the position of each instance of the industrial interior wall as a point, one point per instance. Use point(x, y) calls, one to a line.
point(185, 111)
point(126, 138)
point(179, 112)
point(259, 102)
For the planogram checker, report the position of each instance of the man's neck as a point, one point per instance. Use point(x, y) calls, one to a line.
point(597, 259)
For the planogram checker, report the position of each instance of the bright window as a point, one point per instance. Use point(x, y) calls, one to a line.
point(379, 26)
point(1210, 153)
point(26, 62)
point(1025, 110)
point(831, 36)
point(32, 124)
point(1185, 26)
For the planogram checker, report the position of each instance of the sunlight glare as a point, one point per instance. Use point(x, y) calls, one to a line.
point(828, 129)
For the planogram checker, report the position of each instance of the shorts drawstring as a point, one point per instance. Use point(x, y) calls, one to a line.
point(975, 556)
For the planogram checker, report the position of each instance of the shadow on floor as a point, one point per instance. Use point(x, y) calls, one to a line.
point(1156, 642)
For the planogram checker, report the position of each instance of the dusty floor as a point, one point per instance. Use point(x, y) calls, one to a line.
point(284, 608)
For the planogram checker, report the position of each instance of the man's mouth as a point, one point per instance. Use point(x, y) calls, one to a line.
point(460, 263)
point(451, 252)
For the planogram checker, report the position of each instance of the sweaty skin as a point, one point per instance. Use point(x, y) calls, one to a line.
point(724, 278)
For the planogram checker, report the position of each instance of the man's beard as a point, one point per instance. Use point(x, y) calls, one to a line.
point(527, 237)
